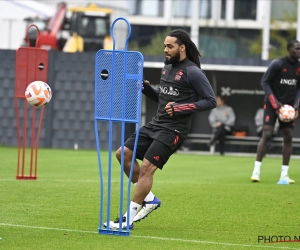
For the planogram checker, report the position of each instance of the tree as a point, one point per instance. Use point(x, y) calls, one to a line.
point(278, 36)
point(154, 48)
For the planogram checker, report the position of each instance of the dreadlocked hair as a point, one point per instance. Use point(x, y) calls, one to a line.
point(192, 51)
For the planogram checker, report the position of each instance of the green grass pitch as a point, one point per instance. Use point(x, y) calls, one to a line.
point(208, 202)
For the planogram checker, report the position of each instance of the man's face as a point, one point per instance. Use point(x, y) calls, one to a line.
point(171, 50)
point(295, 51)
point(220, 102)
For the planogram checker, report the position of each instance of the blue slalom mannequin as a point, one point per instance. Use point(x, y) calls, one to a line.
point(118, 99)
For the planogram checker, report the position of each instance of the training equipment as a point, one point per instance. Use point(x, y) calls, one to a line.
point(88, 28)
point(147, 208)
point(38, 94)
point(286, 113)
point(118, 99)
point(285, 180)
point(255, 177)
point(31, 65)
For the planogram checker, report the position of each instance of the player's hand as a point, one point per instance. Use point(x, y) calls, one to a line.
point(169, 108)
point(296, 114)
point(277, 112)
point(145, 82)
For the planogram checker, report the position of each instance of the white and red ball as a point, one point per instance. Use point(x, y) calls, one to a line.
point(38, 94)
point(286, 113)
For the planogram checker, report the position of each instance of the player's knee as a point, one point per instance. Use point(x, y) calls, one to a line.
point(118, 153)
point(267, 134)
point(127, 153)
point(287, 137)
point(147, 169)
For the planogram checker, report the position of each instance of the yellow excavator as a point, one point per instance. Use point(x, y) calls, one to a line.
point(87, 29)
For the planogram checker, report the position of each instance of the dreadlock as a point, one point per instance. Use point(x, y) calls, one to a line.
point(192, 51)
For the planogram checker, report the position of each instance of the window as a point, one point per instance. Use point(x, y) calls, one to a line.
point(245, 9)
point(205, 9)
point(146, 7)
point(281, 9)
point(132, 4)
point(149, 8)
point(223, 9)
point(183, 8)
point(91, 26)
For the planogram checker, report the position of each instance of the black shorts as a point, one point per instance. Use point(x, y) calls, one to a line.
point(155, 144)
point(270, 117)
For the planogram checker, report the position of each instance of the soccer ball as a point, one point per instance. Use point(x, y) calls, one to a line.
point(38, 94)
point(286, 113)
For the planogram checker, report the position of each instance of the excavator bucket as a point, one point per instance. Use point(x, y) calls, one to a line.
point(74, 44)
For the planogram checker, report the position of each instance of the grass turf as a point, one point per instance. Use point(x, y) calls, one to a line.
point(208, 202)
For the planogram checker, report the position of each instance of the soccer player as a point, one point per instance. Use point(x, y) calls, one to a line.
point(183, 91)
point(281, 83)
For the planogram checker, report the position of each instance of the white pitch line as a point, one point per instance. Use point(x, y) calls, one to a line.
point(45, 228)
point(213, 243)
point(39, 180)
point(151, 237)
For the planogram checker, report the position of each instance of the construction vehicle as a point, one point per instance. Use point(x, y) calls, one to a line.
point(77, 29)
point(31, 35)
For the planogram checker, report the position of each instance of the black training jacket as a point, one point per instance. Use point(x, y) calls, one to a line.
point(281, 83)
point(186, 85)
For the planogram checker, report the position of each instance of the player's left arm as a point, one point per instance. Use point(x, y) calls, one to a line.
point(200, 84)
point(149, 91)
point(297, 101)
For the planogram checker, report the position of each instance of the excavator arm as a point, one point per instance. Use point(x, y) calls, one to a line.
point(48, 39)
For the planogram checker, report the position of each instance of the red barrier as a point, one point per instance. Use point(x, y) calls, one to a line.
point(31, 65)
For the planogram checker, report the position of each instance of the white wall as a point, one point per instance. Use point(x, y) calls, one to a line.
point(12, 33)
point(21, 9)
point(12, 26)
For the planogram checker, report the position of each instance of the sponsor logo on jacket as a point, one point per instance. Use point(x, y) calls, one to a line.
point(169, 90)
point(288, 81)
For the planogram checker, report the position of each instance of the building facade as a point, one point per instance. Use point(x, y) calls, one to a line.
point(226, 28)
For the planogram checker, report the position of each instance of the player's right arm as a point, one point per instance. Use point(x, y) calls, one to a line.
point(266, 82)
point(149, 91)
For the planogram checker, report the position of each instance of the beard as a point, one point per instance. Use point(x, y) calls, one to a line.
point(173, 59)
